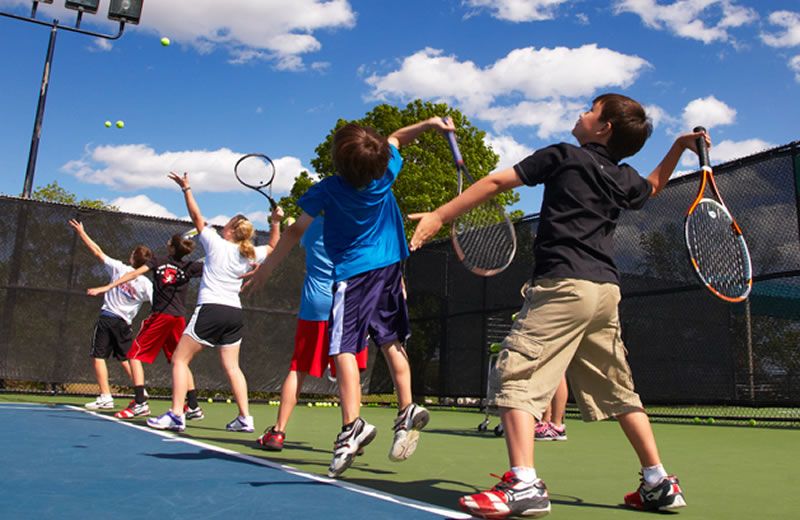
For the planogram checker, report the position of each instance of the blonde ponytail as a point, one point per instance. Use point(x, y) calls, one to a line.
point(243, 233)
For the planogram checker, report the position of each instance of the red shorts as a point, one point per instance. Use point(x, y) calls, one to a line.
point(311, 349)
point(159, 331)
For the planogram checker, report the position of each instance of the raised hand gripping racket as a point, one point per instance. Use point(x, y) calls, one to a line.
point(717, 249)
point(257, 171)
point(483, 238)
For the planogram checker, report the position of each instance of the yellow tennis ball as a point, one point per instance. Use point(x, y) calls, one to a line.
point(120, 124)
point(310, 405)
point(228, 401)
point(108, 124)
point(210, 400)
point(289, 221)
point(165, 41)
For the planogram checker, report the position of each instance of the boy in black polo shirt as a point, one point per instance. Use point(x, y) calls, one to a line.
point(569, 321)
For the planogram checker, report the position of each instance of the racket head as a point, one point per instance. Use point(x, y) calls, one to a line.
point(256, 171)
point(483, 238)
point(718, 251)
point(190, 234)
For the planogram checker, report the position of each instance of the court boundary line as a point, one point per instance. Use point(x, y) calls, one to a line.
point(347, 486)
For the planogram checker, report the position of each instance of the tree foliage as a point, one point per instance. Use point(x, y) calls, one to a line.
point(428, 178)
point(54, 193)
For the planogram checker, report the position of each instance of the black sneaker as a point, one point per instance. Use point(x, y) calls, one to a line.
point(347, 445)
point(667, 495)
point(510, 497)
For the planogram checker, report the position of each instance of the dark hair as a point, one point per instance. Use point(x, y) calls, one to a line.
point(630, 126)
point(140, 256)
point(360, 154)
point(181, 246)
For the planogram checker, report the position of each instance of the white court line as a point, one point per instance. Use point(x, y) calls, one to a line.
point(394, 499)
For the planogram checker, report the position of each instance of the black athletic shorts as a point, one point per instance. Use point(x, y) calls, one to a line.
point(216, 325)
point(111, 336)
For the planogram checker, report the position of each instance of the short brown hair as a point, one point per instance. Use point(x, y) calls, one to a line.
point(181, 246)
point(360, 154)
point(630, 126)
point(141, 254)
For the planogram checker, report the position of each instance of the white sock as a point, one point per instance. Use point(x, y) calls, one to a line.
point(653, 475)
point(527, 475)
point(105, 397)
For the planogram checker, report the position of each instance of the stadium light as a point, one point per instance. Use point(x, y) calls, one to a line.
point(125, 11)
point(87, 6)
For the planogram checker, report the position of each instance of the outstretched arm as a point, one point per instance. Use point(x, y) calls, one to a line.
point(274, 228)
point(288, 240)
point(407, 134)
point(87, 240)
point(483, 190)
point(127, 277)
point(191, 204)
point(659, 177)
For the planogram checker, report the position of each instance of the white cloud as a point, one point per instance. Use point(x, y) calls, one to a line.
point(728, 150)
point(510, 151)
point(708, 112)
point(545, 84)
point(659, 116)
point(789, 22)
point(102, 45)
point(278, 31)
point(691, 18)
point(142, 205)
point(138, 166)
point(518, 10)
point(794, 64)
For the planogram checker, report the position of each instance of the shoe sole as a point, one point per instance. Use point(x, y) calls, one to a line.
point(167, 428)
point(130, 417)
point(195, 418)
point(498, 515)
point(677, 503)
point(550, 439)
point(348, 461)
point(110, 407)
point(407, 447)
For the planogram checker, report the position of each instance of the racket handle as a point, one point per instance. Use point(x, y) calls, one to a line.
point(451, 139)
point(702, 149)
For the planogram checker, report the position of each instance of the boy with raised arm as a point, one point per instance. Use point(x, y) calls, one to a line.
point(569, 321)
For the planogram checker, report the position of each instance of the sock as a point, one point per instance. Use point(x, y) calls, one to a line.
point(105, 397)
point(527, 475)
point(348, 427)
point(653, 474)
point(139, 394)
point(191, 396)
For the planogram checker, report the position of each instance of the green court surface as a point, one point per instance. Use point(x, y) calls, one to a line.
point(726, 472)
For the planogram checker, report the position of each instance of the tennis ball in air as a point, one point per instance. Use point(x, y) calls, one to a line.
point(165, 41)
point(752, 422)
point(108, 124)
point(120, 124)
point(210, 400)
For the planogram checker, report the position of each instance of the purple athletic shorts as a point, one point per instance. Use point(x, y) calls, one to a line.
point(369, 303)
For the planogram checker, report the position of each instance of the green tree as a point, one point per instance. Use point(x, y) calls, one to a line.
point(54, 193)
point(428, 178)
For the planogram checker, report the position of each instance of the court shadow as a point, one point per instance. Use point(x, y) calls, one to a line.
point(303, 482)
point(428, 490)
point(569, 500)
point(202, 454)
point(473, 432)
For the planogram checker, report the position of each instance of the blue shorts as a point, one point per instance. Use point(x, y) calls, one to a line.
point(369, 303)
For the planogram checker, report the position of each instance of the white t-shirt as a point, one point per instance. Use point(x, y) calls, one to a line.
point(223, 267)
point(126, 299)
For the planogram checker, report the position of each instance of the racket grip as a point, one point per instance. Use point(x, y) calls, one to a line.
point(702, 149)
point(451, 139)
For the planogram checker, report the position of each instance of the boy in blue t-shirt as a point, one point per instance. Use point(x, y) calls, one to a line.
point(365, 240)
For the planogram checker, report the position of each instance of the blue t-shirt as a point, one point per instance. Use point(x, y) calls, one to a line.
point(317, 297)
point(363, 227)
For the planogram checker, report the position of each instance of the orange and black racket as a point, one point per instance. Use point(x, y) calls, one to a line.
point(717, 249)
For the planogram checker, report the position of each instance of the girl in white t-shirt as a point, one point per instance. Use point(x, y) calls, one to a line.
point(112, 332)
point(217, 319)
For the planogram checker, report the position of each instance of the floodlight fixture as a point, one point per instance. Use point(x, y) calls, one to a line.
point(87, 6)
point(128, 11)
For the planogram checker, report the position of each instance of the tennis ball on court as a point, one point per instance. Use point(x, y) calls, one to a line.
point(698, 420)
point(165, 41)
point(711, 420)
point(514, 316)
point(228, 401)
point(120, 124)
point(108, 124)
point(752, 422)
point(336, 405)
point(309, 404)
point(210, 400)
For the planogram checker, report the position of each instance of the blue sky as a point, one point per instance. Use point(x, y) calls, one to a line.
point(275, 75)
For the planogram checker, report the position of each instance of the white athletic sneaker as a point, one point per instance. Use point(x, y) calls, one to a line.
point(103, 402)
point(241, 424)
point(407, 426)
point(348, 444)
point(167, 421)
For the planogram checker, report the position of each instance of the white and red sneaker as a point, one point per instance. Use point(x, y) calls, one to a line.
point(133, 410)
point(510, 497)
point(665, 496)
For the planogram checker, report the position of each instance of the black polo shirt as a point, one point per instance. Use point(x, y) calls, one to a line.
point(584, 191)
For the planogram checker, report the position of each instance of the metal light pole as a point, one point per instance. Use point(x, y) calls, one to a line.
point(123, 11)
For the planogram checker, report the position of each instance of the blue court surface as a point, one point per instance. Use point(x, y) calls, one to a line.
point(62, 462)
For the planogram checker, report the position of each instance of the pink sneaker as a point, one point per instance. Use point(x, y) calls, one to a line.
point(547, 431)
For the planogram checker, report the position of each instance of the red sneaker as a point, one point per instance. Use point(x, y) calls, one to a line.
point(510, 497)
point(666, 496)
point(272, 440)
point(133, 410)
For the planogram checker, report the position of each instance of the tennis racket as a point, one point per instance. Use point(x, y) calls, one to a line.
point(717, 249)
point(257, 171)
point(483, 238)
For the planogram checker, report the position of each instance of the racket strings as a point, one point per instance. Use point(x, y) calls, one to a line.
point(485, 239)
point(719, 254)
point(256, 171)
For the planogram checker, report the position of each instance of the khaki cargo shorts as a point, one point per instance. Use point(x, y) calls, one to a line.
point(567, 325)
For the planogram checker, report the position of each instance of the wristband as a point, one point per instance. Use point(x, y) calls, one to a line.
point(187, 188)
